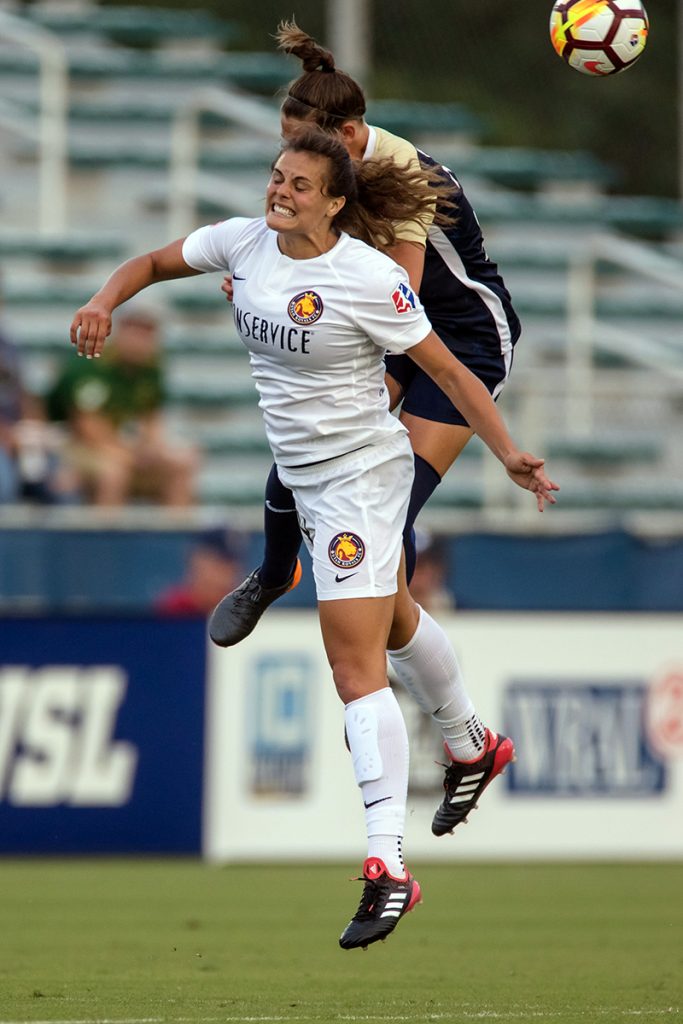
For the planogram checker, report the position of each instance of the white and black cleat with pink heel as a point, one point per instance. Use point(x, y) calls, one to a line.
point(465, 781)
point(384, 902)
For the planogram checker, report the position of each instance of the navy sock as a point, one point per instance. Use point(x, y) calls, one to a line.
point(281, 532)
point(425, 483)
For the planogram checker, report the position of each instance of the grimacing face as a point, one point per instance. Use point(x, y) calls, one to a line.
point(296, 199)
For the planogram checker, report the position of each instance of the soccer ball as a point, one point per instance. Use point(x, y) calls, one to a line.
point(599, 37)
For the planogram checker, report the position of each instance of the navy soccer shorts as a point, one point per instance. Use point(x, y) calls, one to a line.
point(423, 398)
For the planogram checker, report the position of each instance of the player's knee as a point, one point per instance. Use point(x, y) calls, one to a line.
point(350, 679)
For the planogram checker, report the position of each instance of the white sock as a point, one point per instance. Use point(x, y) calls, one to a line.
point(378, 741)
point(428, 668)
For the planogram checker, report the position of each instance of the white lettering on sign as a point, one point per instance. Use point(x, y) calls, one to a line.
point(57, 742)
point(581, 740)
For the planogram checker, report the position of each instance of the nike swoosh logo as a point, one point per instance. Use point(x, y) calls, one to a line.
point(271, 508)
point(340, 579)
point(236, 277)
point(380, 801)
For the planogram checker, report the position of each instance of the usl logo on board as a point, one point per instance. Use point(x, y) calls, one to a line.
point(57, 741)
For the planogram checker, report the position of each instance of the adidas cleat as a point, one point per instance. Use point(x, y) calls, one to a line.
point(465, 781)
point(384, 902)
point(237, 614)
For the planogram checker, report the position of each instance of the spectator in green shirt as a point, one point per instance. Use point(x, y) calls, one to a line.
point(113, 409)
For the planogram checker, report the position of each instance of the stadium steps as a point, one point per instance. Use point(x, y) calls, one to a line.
point(135, 25)
point(594, 453)
point(61, 250)
point(651, 217)
point(260, 72)
point(527, 168)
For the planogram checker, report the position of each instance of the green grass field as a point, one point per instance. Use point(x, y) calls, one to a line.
point(154, 941)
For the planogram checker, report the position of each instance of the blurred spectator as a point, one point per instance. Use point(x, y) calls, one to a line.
point(30, 466)
point(113, 408)
point(10, 415)
point(429, 583)
point(214, 568)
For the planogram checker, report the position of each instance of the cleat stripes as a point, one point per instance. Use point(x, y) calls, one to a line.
point(384, 902)
point(394, 906)
point(464, 782)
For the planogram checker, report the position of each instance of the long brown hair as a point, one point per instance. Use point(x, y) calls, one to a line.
point(378, 192)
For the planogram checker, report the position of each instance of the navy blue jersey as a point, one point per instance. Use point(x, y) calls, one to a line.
point(468, 306)
point(462, 291)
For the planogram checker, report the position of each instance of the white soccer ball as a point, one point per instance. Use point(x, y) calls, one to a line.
point(599, 37)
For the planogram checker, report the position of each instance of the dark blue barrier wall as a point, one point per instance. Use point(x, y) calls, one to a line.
point(101, 734)
point(612, 571)
point(126, 570)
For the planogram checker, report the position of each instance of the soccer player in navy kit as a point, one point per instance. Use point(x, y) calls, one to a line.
point(469, 306)
point(316, 308)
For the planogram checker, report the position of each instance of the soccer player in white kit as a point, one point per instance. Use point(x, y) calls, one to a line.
point(316, 309)
point(471, 310)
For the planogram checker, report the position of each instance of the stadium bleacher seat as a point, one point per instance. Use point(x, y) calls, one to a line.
point(600, 452)
point(132, 110)
point(413, 117)
point(135, 24)
point(212, 394)
point(527, 168)
point(60, 249)
point(258, 71)
point(646, 216)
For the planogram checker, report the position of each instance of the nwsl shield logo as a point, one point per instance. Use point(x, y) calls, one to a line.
point(403, 298)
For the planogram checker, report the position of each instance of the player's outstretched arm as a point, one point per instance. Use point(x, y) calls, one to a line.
point(471, 397)
point(91, 324)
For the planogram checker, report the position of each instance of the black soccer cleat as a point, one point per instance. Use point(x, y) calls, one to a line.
point(384, 902)
point(237, 614)
point(465, 781)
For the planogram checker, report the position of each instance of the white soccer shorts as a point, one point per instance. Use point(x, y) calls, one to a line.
point(352, 511)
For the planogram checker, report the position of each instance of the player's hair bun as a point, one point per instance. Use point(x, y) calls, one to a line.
point(294, 40)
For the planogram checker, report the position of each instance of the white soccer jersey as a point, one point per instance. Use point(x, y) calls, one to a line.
point(316, 331)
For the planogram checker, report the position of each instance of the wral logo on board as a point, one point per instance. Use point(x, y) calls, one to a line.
point(583, 739)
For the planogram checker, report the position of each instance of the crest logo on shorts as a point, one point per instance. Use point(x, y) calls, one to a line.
point(346, 550)
point(403, 298)
point(305, 308)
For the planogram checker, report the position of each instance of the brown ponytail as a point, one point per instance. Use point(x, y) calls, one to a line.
point(322, 94)
point(294, 40)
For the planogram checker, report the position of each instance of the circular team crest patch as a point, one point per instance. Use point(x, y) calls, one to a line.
point(305, 308)
point(346, 550)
